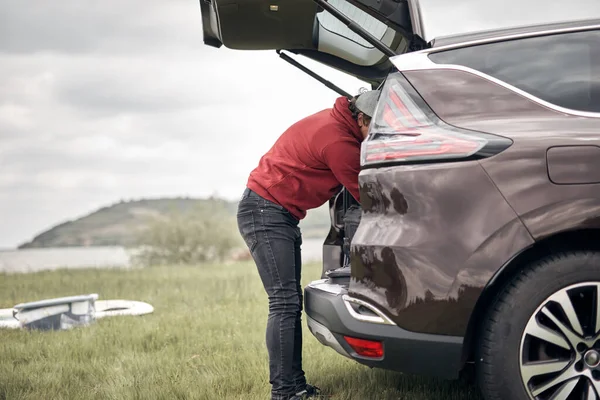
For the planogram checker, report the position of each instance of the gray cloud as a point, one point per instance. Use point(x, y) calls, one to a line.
point(90, 115)
point(444, 18)
point(74, 26)
point(101, 101)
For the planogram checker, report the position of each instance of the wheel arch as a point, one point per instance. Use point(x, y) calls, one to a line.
point(580, 239)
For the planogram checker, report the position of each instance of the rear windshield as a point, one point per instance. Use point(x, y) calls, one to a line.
point(563, 69)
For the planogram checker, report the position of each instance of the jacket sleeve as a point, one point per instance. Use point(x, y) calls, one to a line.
point(343, 159)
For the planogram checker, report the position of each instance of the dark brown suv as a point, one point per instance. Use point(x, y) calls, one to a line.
point(479, 237)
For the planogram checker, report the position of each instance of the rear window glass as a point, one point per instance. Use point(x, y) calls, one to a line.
point(561, 69)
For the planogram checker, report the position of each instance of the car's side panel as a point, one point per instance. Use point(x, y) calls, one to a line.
point(521, 173)
point(425, 258)
point(432, 236)
point(544, 207)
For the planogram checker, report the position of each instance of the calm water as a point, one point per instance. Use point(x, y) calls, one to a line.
point(32, 260)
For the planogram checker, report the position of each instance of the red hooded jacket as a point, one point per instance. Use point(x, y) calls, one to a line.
point(310, 161)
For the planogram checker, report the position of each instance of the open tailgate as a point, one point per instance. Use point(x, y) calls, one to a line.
point(302, 27)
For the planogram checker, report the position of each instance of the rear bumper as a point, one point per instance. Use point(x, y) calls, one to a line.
point(330, 319)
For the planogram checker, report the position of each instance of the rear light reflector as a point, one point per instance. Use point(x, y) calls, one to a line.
point(365, 348)
point(406, 130)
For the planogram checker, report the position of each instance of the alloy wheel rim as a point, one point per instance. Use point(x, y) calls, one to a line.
point(560, 346)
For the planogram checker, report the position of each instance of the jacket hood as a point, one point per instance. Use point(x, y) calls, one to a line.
point(341, 112)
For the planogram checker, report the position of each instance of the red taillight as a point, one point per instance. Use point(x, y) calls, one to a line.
point(365, 348)
point(406, 130)
point(418, 147)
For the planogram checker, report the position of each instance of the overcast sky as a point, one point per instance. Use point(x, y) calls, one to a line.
point(109, 100)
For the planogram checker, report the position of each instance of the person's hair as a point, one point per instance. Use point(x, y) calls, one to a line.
point(355, 111)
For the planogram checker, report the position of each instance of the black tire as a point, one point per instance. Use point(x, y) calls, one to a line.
point(498, 359)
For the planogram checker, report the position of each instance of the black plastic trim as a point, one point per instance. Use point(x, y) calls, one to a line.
point(210, 38)
point(405, 351)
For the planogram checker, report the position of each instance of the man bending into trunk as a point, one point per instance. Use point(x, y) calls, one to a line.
point(306, 166)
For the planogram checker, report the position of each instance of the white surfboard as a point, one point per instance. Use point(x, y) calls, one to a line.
point(103, 309)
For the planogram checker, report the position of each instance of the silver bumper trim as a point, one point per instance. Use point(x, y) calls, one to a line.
point(337, 290)
point(381, 318)
point(325, 336)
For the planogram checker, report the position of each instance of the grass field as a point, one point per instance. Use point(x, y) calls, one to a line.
point(205, 340)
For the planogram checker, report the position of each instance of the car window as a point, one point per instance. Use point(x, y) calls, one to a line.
point(332, 24)
point(561, 69)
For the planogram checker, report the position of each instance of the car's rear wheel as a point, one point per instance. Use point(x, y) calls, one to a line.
point(541, 337)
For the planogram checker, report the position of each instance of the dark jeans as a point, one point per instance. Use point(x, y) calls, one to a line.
point(273, 237)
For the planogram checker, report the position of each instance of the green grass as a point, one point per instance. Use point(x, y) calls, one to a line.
point(205, 340)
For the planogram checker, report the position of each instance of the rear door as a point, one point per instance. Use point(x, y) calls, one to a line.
point(302, 27)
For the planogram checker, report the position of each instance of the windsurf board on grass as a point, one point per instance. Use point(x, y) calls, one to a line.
point(68, 312)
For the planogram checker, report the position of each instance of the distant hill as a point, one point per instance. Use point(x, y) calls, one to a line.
point(118, 224)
